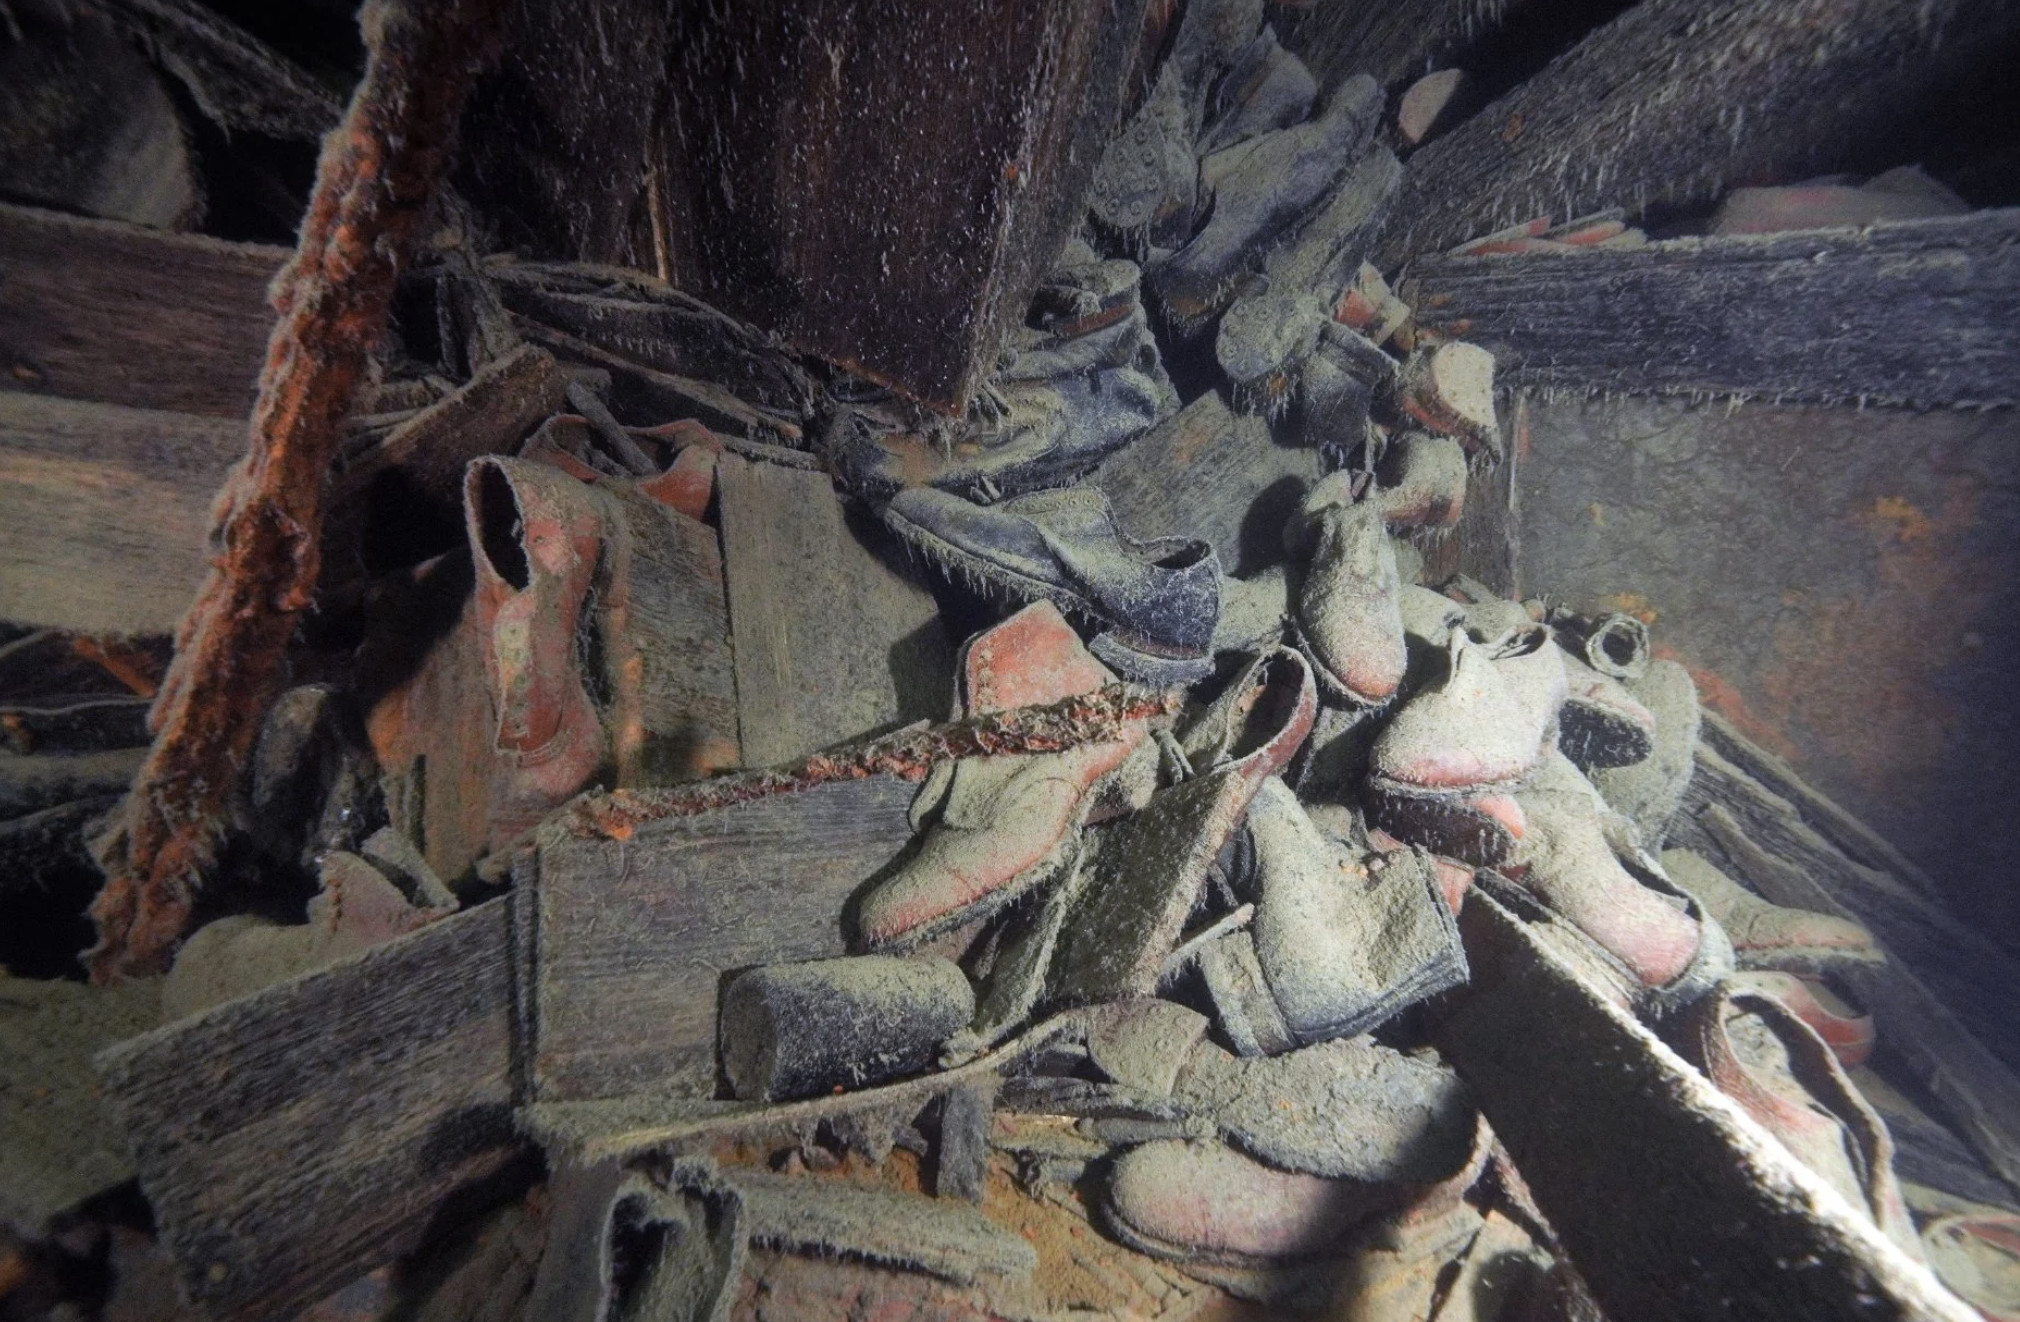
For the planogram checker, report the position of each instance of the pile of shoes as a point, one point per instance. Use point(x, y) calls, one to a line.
point(1171, 987)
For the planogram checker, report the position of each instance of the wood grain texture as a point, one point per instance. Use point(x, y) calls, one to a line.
point(832, 642)
point(1212, 473)
point(59, 1143)
point(1964, 966)
point(885, 186)
point(665, 619)
point(1392, 43)
point(1676, 100)
point(1942, 996)
point(488, 414)
point(1600, 1116)
point(1916, 312)
point(293, 1139)
point(634, 935)
point(1484, 545)
point(107, 510)
point(100, 310)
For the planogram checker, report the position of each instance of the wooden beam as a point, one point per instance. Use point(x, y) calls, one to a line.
point(101, 310)
point(1672, 1202)
point(795, 572)
point(1675, 101)
point(1913, 312)
point(293, 1139)
point(107, 510)
point(1393, 44)
point(635, 934)
point(885, 187)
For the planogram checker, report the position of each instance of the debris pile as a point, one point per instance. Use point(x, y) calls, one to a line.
point(758, 842)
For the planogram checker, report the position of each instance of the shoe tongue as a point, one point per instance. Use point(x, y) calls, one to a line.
point(1032, 657)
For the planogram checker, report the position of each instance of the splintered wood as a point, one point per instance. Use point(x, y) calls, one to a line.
point(375, 178)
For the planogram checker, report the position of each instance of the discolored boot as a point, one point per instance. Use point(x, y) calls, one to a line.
point(1006, 824)
point(1348, 615)
point(536, 537)
point(1159, 599)
point(1670, 948)
point(1757, 1052)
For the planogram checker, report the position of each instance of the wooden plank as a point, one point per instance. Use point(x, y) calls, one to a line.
point(554, 140)
point(831, 641)
point(100, 310)
point(1937, 1036)
point(634, 935)
point(1600, 1116)
point(1393, 44)
point(1961, 964)
point(491, 413)
point(1915, 312)
point(107, 510)
point(1676, 100)
point(1484, 546)
point(1212, 473)
point(293, 1139)
point(59, 1143)
point(656, 326)
point(885, 186)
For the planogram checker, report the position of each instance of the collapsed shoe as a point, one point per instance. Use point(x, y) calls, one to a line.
point(1148, 872)
point(536, 537)
point(1204, 1203)
point(1348, 617)
point(1649, 792)
point(1259, 190)
point(1849, 1034)
point(1276, 322)
point(1159, 599)
point(1344, 939)
point(1771, 936)
point(1482, 726)
point(1342, 1109)
point(1663, 939)
point(1450, 389)
point(1075, 391)
point(1006, 824)
point(1421, 482)
point(1781, 1073)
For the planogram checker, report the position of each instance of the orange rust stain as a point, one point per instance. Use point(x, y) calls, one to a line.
point(1852, 672)
point(1723, 696)
point(1903, 519)
point(1628, 603)
point(1513, 130)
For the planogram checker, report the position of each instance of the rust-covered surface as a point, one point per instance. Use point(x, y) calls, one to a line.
point(1844, 585)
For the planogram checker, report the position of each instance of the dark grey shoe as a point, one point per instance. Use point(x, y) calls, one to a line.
point(1267, 88)
point(1261, 189)
point(1074, 390)
point(1269, 329)
point(1159, 599)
